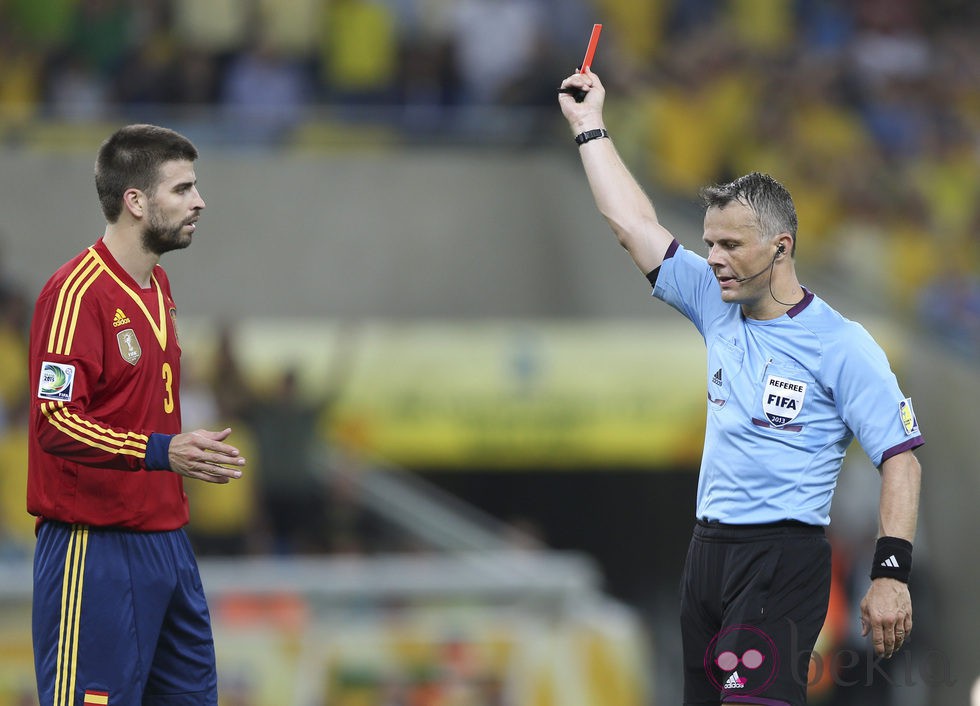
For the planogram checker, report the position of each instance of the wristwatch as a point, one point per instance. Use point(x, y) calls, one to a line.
point(588, 135)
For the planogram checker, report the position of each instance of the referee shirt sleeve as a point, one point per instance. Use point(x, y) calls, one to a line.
point(868, 396)
point(686, 282)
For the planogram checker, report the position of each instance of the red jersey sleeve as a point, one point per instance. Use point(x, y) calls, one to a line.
point(66, 365)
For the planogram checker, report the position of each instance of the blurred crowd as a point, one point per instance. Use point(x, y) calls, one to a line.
point(16, 528)
point(267, 63)
point(868, 110)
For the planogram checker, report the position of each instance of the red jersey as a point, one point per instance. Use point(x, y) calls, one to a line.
point(105, 374)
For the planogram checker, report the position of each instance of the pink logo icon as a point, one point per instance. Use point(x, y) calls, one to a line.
point(728, 661)
point(749, 656)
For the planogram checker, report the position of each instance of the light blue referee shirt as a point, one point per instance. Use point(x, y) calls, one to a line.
point(785, 399)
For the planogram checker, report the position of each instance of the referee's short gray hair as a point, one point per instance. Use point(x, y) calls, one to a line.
point(769, 200)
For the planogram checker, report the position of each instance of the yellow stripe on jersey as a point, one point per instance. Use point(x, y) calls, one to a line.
point(94, 435)
point(56, 407)
point(159, 326)
point(69, 301)
point(78, 306)
point(60, 305)
point(71, 609)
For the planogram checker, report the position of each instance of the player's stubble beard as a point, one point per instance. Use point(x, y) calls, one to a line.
point(160, 236)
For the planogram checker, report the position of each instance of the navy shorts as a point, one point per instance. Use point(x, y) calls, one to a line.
point(753, 601)
point(120, 617)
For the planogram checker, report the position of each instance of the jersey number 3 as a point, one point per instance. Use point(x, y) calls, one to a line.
point(168, 385)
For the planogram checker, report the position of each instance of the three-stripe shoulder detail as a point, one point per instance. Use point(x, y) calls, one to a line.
point(65, 318)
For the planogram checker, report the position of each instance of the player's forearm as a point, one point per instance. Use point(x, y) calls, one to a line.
point(899, 505)
point(68, 434)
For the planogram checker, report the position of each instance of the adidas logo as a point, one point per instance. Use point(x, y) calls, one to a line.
point(735, 682)
point(716, 378)
point(891, 562)
point(120, 319)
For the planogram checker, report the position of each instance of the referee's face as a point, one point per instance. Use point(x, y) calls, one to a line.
point(739, 258)
point(173, 209)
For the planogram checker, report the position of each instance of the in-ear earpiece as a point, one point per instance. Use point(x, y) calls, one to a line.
point(781, 249)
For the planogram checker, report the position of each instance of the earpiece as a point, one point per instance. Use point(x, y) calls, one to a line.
point(780, 249)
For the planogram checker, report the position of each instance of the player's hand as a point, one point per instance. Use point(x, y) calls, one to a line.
point(202, 455)
point(586, 115)
point(886, 612)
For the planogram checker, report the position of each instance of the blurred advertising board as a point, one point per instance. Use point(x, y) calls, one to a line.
point(496, 394)
point(508, 630)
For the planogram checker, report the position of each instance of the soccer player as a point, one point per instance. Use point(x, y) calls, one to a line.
point(119, 613)
point(790, 383)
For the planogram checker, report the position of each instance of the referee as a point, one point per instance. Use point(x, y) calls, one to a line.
point(790, 383)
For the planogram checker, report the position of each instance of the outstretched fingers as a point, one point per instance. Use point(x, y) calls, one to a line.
point(203, 455)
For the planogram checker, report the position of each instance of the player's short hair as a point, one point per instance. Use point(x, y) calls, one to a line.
point(767, 198)
point(131, 159)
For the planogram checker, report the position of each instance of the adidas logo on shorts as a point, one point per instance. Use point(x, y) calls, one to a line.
point(735, 682)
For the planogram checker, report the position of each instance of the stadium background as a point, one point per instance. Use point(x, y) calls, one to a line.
point(401, 295)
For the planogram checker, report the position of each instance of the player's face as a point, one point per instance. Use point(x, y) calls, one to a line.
point(735, 251)
point(173, 209)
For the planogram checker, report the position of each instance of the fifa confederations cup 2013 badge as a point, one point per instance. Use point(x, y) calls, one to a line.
point(57, 381)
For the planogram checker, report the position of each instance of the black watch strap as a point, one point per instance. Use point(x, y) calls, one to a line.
point(588, 135)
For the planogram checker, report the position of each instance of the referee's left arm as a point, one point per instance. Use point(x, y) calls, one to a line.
point(899, 506)
point(886, 611)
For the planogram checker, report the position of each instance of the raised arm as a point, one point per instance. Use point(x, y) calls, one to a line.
point(617, 194)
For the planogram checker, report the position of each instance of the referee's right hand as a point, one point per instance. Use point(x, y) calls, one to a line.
point(585, 114)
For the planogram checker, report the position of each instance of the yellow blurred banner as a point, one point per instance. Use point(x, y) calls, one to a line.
point(503, 394)
point(528, 396)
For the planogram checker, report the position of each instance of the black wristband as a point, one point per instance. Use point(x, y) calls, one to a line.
point(893, 559)
point(588, 135)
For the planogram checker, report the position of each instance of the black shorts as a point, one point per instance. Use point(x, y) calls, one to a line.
point(753, 600)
